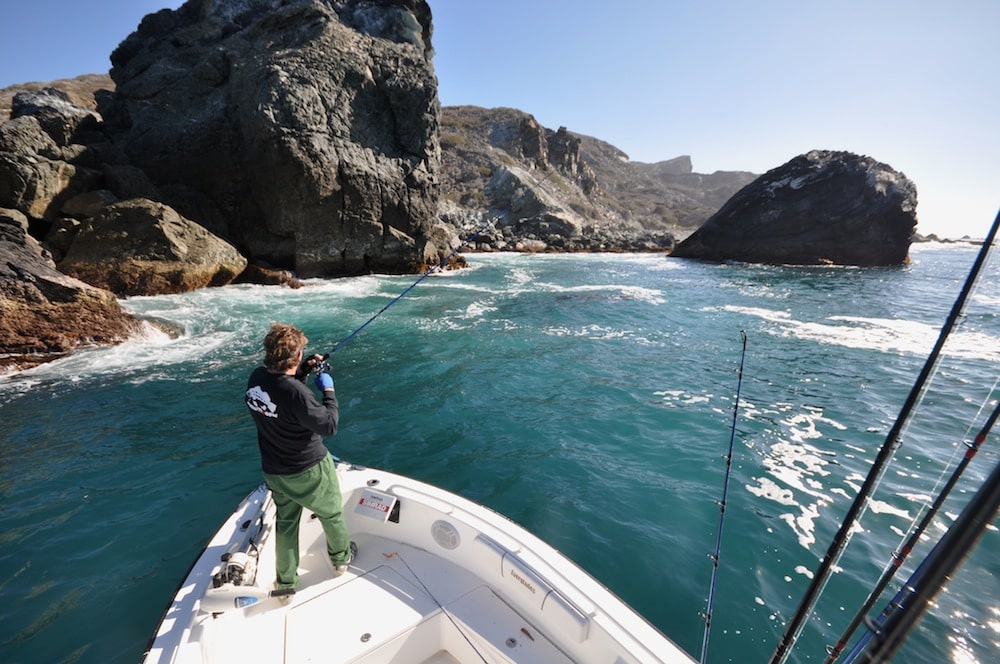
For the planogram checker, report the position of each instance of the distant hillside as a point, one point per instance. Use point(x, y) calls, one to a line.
point(665, 194)
point(80, 90)
point(501, 163)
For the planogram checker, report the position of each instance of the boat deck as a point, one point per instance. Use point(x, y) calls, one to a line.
point(393, 600)
point(437, 580)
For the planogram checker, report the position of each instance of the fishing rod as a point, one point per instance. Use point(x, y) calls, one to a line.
point(722, 507)
point(899, 556)
point(880, 464)
point(911, 602)
point(322, 365)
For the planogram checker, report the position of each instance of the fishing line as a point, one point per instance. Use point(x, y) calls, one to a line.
point(881, 463)
point(445, 611)
point(722, 507)
point(323, 366)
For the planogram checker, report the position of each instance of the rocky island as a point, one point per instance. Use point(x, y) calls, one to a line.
point(823, 207)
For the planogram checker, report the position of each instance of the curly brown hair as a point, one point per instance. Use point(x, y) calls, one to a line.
point(282, 345)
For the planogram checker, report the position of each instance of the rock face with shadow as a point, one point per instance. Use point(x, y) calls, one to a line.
point(557, 190)
point(823, 207)
point(305, 133)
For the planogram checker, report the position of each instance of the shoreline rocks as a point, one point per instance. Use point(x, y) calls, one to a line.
point(45, 313)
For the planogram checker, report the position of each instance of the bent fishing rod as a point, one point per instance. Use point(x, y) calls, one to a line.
point(709, 607)
point(944, 559)
point(322, 364)
point(881, 463)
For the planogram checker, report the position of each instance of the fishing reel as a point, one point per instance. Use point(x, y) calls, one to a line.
point(233, 586)
point(238, 568)
point(310, 364)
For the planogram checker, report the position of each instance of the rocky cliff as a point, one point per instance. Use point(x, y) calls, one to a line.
point(301, 135)
point(43, 312)
point(305, 133)
point(823, 207)
point(557, 190)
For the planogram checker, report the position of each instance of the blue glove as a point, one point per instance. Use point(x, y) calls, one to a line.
point(324, 382)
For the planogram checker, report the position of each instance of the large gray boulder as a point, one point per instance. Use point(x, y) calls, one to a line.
point(823, 207)
point(304, 132)
point(141, 247)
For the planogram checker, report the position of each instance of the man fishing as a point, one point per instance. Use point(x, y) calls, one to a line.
point(299, 470)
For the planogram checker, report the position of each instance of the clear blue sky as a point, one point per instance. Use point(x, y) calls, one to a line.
point(737, 85)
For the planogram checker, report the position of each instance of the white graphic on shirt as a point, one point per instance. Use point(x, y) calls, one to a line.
point(259, 401)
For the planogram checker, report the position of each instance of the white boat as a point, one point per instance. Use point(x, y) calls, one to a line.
point(437, 579)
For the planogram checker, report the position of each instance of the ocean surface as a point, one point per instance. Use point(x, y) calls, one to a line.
point(588, 397)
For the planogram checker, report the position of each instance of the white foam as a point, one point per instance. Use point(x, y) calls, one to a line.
point(879, 334)
point(595, 332)
point(770, 490)
point(882, 507)
point(479, 309)
point(804, 571)
point(617, 291)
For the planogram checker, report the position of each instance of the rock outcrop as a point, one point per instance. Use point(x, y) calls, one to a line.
point(138, 247)
point(819, 208)
point(303, 133)
point(38, 174)
point(43, 312)
point(306, 133)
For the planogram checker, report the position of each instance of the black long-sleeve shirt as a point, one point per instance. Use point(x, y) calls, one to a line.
point(291, 422)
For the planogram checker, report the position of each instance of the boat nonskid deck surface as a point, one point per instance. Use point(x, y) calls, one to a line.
point(436, 580)
point(382, 609)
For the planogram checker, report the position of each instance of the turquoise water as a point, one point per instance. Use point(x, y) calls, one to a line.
point(587, 397)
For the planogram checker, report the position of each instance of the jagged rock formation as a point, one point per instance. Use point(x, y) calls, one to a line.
point(563, 191)
point(42, 162)
point(502, 164)
point(823, 207)
point(306, 133)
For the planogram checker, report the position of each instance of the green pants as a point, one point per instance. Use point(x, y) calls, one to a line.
point(316, 489)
